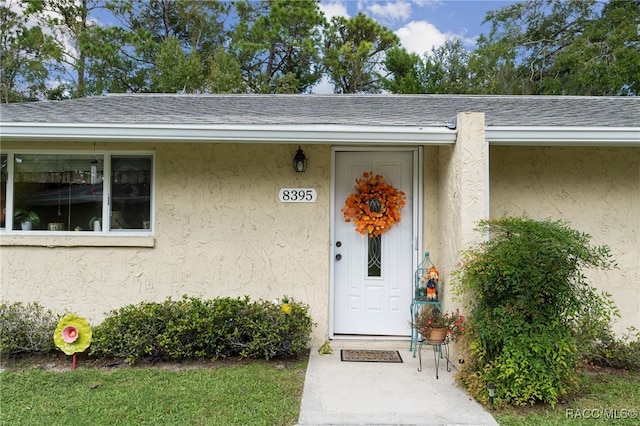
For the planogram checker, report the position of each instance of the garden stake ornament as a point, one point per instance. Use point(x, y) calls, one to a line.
point(72, 335)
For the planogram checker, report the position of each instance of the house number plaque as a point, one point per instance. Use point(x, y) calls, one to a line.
point(297, 195)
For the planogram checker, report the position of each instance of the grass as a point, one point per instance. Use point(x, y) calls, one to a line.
point(607, 397)
point(256, 393)
point(242, 393)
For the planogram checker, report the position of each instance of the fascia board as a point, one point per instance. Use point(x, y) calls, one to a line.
point(405, 135)
point(563, 136)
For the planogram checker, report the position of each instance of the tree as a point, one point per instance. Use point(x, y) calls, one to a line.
point(574, 47)
point(68, 23)
point(405, 72)
point(604, 58)
point(175, 70)
point(116, 65)
point(443, 70)
point(447, 68)
point(25, 56)
point(354, 53)
point(493, 69)
point(160, 46)
point(223, 74)
point(276, 43)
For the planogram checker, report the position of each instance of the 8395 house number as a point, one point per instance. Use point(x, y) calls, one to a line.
point(298, 195)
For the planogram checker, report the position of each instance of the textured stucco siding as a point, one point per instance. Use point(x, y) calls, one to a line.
point(462, 193)
point(596, 190)
point(220, 230)
point(431, 203)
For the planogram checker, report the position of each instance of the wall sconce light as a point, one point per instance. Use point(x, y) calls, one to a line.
point(492, 392)
point(300, 161)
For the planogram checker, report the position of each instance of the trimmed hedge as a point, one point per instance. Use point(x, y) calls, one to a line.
point(203, 329)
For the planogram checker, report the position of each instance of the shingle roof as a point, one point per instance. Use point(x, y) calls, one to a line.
point(366, 110)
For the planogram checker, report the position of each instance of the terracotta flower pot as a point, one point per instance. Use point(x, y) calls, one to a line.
point(436, 335)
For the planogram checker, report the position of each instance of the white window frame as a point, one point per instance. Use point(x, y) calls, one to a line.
point(67, 237)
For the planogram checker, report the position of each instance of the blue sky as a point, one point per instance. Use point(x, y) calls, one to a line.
point(422, 24)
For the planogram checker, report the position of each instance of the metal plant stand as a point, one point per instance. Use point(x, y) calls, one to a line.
point(440, 350)
point(420, 297)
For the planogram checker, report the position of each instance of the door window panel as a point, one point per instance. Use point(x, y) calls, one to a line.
point(374, 258)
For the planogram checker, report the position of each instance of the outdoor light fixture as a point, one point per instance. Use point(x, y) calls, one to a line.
point(492, 391)
point(300, 161)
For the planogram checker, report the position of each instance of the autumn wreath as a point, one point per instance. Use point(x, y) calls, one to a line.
point(374, 206)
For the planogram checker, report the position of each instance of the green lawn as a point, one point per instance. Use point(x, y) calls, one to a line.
point(254, 393)
point(611, 398)
point(241, 393)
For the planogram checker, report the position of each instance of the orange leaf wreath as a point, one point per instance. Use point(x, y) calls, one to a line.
point(374, 206)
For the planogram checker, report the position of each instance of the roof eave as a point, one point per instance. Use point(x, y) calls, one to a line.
point(563, 136)
point(319, 134)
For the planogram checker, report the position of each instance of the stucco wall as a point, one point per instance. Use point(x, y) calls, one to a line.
point(220, 230)
point(431, 203)
point(597, 190)
point(462, 192)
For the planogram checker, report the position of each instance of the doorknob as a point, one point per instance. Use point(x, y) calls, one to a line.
point(338, 244)
point(338, 256)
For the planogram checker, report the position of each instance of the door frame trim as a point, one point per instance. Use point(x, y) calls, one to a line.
point(418, 225)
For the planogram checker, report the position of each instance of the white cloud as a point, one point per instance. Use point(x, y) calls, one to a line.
point(389, 12)
point(335, 8)
point(429, 3)
point(422, 36)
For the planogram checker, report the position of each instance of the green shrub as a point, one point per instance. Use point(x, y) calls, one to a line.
point(607, 350)
point(268, 332)
point(527, 302)
point(195, 329)
point(26, 329)
point(132, 331)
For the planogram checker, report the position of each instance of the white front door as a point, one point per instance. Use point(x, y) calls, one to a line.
point(372, 284)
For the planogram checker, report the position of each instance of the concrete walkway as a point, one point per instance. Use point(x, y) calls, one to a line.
point(371, 393)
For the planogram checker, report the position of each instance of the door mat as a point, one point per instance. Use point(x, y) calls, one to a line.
point(361, 355)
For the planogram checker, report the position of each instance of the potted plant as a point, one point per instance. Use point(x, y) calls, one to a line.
point(436, 326)
point(27, 218)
